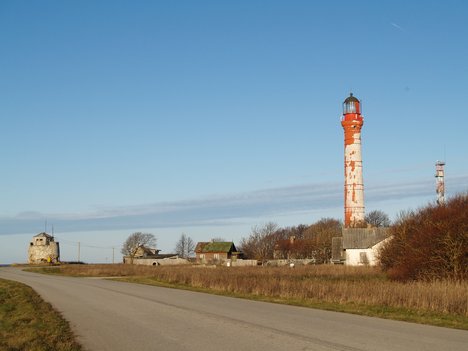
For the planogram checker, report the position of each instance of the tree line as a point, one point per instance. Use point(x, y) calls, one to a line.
point(430, 243)
point(265, 240)
point(302, 241)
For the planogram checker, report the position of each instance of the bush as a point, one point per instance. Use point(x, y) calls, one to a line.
point(431, 243)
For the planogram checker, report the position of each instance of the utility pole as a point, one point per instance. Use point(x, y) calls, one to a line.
point(113, 255)
point(79, 247)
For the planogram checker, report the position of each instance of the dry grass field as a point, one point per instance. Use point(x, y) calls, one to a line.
point(362, 290)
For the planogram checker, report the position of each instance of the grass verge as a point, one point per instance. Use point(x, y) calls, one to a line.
point(29, 323)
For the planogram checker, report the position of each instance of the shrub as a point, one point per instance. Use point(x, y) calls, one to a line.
point(431, 243)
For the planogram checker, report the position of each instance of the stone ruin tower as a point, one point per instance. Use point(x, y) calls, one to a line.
point(43, 249)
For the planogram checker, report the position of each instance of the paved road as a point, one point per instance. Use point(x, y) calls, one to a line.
point(108, 315)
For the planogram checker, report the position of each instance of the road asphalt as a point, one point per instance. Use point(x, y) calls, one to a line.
point(109, 315)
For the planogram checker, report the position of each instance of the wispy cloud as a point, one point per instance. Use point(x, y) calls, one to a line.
point(397, 26)
point(224, 209)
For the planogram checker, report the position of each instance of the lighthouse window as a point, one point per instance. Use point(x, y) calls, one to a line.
point(350, 107)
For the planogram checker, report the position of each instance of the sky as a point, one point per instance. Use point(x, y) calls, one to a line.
point(210, 117)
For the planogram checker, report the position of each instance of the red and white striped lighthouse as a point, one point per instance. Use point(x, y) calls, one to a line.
point(352, 122)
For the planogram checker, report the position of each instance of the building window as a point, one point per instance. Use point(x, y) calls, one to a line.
point(363, 258)
point(216, 256)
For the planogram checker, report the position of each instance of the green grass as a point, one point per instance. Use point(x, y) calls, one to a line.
point(401, 314)
point(28, 323)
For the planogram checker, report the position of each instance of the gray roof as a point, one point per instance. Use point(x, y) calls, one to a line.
point(351, 98)
point(363, 238)
point(43, 234)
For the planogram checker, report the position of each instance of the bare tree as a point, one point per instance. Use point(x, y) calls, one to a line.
point(378, 218)
point(185, 246)
point(135, 241)
point(261, 242)
point(319, 237)
point(218, 240)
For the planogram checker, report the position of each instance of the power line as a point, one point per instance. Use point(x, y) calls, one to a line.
point(83, 244)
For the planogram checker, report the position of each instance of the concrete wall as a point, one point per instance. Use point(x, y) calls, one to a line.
point(157, 261)
point(241, 263)
point(361, 257)
point(297, 262)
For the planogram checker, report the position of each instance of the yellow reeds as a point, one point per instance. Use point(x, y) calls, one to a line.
point(318, 284)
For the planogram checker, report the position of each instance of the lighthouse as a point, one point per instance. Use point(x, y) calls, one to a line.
point(352, 122)
point(358, 244)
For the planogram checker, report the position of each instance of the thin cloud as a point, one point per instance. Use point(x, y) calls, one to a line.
point(397, 26)
point(224, 209)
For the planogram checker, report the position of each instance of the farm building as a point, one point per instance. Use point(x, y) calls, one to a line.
point(152, 257)
point(216, 252)
point(359, 246)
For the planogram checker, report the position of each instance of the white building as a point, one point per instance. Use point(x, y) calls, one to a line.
point(359, 246)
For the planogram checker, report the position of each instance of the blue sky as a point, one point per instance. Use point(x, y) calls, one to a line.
point(209, 117)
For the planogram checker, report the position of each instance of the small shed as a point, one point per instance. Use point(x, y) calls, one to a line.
point(359, 246)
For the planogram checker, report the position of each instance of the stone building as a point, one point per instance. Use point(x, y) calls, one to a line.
point(43, 249)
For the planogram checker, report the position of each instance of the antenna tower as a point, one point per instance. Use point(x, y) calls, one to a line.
point(440, 182)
